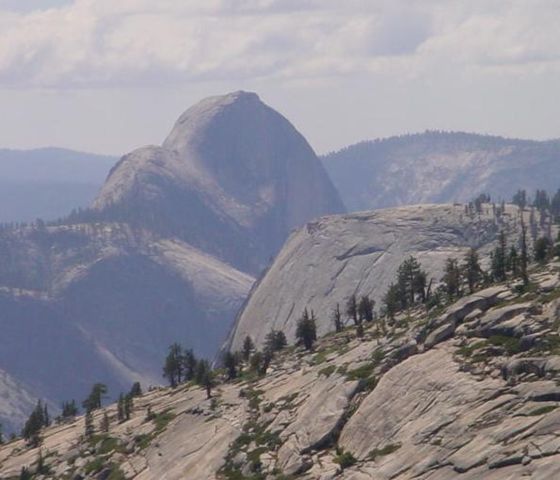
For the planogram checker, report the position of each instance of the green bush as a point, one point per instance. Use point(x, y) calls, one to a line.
point(344, 459)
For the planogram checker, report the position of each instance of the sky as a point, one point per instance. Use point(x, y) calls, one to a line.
point(107, 76)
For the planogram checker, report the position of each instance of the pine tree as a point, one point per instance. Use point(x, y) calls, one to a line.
point(69, 409)
point(471, 267)
point(89, 429)
point(555, 207)
point(513, 261)
point(173, 366)
point(120, 409)
point(520, 199)
point(352, 309)
point(128, 406)
point(205, 377)
point(542, 249)
point(25, 474)
point(275, 341)
point(46, 417)
point(337, 319)
point(452, 278)
point(360, 329)
point(104, 426)
point(365, 308)
point(94, 400)
point(306, 330)
point(136, 390)
point(189, 365)
point(41, 468)
point(411, 280)
point(33, 425)
point(248, 347)
point(230, 364)
point(267, 357)
point(499, 259)
point(255, 363)
point(524, 255)
point(391, 300)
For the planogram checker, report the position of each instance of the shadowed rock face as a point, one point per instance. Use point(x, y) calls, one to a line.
point(233, 177)
point(103, 303)
point(334, 257)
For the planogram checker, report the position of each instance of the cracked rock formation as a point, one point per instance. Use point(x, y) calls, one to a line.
point(334, 257)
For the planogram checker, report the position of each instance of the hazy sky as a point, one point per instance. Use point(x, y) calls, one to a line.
point(110, 75)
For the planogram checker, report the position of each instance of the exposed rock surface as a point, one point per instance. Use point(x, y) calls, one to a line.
point(441, 167)
point(233, 167)
point(333, 257)
point(381, 407)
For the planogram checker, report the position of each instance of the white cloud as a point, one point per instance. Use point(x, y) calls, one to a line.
point(136, 42)
point(141, 42)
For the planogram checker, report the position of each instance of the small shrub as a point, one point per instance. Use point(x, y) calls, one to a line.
point(327, 371)
point(386, 450)
point(511, 345)
point(344, 459)
point(542, 410)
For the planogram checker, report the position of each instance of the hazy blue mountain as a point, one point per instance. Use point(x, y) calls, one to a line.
point(48, 183)
point(439, 167)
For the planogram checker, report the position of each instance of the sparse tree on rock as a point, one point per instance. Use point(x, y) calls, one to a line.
point(230, 364)
point(189, 364)
point(104, 426)
point(352, 309)
point(471, 267)
point(365, 308)
point(128, 406)
point(499, 259)
point(452, 278)
point(136, 390)
point(173, 367)
point(121, 409)
point(391, 301)
point(256, 361)
point(542, 249)
point(411, 280)
point(337, 319)
point(93, 401)
point(205, 377)
point(248, 348)
point(275, 341)
point(513, 261)
point(69, 409)
point(306, 331)
point(33, 425)
point(89, 429)
point(524, 255)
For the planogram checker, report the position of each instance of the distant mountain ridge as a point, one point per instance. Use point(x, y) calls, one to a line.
point(440, 167)
point(48, 183)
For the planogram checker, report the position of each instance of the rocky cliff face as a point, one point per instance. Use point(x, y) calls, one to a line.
point(480, 402)
point(439, 167)
point(233, 167)
point(332, 258)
